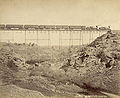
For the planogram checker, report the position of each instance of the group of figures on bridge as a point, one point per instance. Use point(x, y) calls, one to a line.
point(51, 27)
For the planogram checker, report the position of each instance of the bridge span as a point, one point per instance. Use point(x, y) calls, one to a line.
point(50, 35)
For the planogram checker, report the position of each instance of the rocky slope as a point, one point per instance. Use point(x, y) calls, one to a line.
point(97, 66)
point(89, 70)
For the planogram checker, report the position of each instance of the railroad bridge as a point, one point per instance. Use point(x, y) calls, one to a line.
point(50, 35)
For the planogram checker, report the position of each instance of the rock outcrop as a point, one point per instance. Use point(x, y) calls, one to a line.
point(97, 66)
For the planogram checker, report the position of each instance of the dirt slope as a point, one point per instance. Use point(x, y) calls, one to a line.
point(97, 66)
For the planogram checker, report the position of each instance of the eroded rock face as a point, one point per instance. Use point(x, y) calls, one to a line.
point(101, 63)
point(13, 60)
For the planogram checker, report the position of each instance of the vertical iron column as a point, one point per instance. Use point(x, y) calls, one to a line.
point(69, 41)
point(71, 37)
point(7, 38)
point(37, 37)
point(40, 38)
point(70, 45)
point(37, 44)
point(90, 38)
point(25, 47)
point(60, 39)
point(48, 38)
point(82, 36)
point(79, 38)
point(13, 37)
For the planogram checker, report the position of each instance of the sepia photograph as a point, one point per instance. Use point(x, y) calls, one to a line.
point(59, 48)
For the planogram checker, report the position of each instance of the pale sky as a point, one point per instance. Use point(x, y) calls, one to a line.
point(74, 12)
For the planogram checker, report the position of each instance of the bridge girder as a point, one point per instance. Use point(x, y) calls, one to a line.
point(53, 27)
